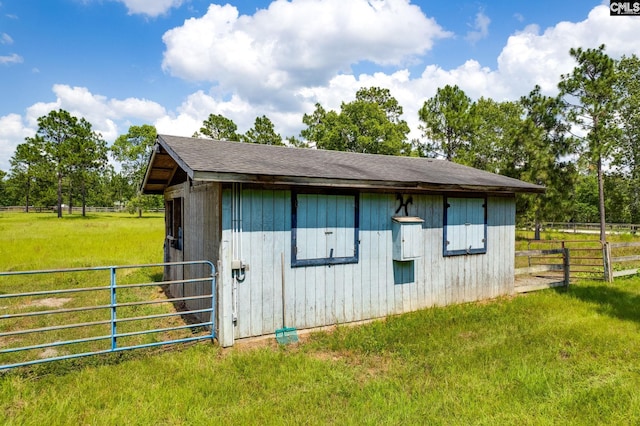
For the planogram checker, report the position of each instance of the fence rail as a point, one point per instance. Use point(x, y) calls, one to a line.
point(594, 228)
point(586, 260)
point(131, 319)
point(590, 259)
point(543, 275)
point(52, 209)
point(623, 254)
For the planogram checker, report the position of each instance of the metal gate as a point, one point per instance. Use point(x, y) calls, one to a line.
point(77, 312)
point(586, 260)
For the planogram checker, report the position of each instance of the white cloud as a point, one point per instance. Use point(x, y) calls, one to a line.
point(11, 59)
point(150, 8)
point(12, 132)
point(141, 109)
point(5, 39)
point(531, 58)
point(294, 44)
point(100, 110)
point(197, 107)
point(480, 28)
point(109, 117)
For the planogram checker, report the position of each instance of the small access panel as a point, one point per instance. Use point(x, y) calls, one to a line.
point(407, 238)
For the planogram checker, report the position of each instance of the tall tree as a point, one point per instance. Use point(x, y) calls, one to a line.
point(627, 153)
point(493, 144)
point(118, 187)
point(323, 129)
point(219, 127)
point(382, 98)
point(89, 157)
point(448, 123)
point(369, 124)
point(59, 131)
point(585, 198)
point(4, 193)
point(372, 123)
point(591, 104)
point(132, 150)
point(24, 162)
point(543, 152)
point(262, 132)
point(618, 187)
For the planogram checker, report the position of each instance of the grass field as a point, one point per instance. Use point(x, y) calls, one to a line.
point(569, 356)
point(42, 241)
point(39, 240)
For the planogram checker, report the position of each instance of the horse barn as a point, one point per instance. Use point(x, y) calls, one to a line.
point(307, 238)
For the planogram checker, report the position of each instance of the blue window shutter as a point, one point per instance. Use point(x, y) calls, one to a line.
point(465, 227)
point(326, 229)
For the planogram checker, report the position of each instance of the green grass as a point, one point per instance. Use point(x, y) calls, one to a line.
point(42, 241)
point(566, 356)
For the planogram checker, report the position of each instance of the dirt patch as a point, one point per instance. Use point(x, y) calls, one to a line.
point(50, 302)
point(48, 353)
point(5, 342)
point(467, 335)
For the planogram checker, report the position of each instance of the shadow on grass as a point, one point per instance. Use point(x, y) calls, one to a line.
point(180, 306)
point(93, 215)
point(68, 217)
point(73, 365)
point(144, 217)
point(610, 301)
point(187, 316)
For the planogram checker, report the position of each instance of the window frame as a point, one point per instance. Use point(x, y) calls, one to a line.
point(460, 252)
point(175, 228)
point(295, 261)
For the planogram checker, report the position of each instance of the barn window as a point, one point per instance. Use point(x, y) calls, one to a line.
point(324, 229)
point(174, 222)
point(465, 225)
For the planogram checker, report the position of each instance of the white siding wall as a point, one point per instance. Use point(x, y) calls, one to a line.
point(374, 287)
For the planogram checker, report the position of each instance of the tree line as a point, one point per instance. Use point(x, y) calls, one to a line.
point(580, 144)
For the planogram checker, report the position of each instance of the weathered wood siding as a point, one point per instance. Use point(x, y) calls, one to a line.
point(374, 287)
point(173, 194)
point(201, 240)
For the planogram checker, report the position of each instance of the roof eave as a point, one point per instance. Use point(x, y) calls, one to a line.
point(161, 144)
point(184, 166)
point(358, 184)
point(147, 172)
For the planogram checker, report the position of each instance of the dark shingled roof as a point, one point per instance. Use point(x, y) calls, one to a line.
point(205, 159)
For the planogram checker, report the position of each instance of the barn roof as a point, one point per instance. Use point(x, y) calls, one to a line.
point(223, 161)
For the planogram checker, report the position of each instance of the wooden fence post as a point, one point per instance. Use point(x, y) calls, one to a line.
point(566, 266)
point(606, 260)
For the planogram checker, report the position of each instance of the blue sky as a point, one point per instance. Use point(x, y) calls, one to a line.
point(171, 63)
